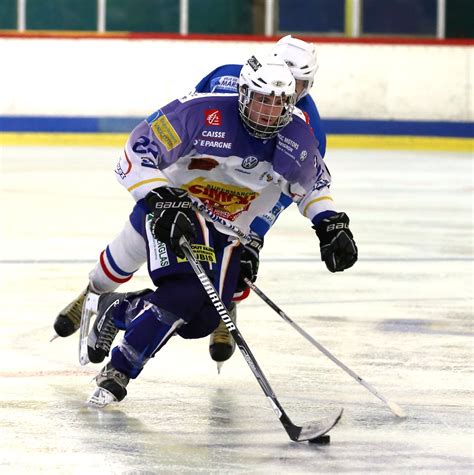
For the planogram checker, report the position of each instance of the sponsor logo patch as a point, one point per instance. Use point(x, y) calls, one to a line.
point(158, 252)
point(124, 166)
point(203, 253)
point(213, 117)
point(162, 254)
point(222, 200)
point(165, 132)
point(224, 84)
point(205, 163)
point(249, 162)
point(254, 63)
point(266, 176)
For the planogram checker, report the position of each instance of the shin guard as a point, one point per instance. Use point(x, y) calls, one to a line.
point(145, 335)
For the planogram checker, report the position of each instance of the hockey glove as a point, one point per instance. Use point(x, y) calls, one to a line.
point(249, 260)
point(338, 248)
point(172, 216)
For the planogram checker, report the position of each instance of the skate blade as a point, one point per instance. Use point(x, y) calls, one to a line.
point(89, 309)
point(100, 398)
point(219, 366)
point(54, 337)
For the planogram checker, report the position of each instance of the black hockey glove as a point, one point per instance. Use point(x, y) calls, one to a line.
point(172, 216)
point(338, 248)
point(249, 260)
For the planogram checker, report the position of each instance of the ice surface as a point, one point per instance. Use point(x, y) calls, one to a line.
point(401, 318)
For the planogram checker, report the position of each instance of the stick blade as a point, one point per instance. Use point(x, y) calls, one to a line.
point(396, 409)
point(316, 429)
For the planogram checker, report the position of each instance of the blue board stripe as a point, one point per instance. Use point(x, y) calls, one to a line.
point(395, 127)
point(331, 126)
point(68, 124)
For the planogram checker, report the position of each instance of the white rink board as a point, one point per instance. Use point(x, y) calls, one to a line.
point(87, 77)
point(401, 318)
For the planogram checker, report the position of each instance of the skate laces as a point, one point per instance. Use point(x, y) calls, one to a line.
point(221, 334)
point(110, 373)
point(106, 334)
point(73, 310)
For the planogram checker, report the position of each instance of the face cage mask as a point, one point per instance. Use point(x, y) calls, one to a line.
point(262, 129)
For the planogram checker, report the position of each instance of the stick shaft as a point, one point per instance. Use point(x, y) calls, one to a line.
point(314, 342)
point(292, 430)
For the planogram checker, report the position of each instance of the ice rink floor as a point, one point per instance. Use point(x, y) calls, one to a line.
point(401, 318)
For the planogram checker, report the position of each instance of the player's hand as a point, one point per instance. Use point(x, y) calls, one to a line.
point(249, 261)
point(172, 216)
point(338, 248)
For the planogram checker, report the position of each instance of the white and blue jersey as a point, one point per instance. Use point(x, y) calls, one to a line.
point(225, 79)
point(198, 143)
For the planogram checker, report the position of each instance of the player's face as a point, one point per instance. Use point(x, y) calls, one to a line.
point(265, 110)
point(300, 86)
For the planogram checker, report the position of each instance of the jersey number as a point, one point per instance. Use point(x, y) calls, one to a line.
point(144, 145)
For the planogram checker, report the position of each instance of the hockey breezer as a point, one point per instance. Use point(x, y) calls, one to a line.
point(310, 431)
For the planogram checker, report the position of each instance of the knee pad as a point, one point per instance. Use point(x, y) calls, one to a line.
point(202, 325)
point(144, 336)
point(182, 295)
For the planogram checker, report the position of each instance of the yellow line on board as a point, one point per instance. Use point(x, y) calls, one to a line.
point(401, 142)
point(384, 142)
point(63, 139)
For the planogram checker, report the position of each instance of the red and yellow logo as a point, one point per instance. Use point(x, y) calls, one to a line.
point(223, 200)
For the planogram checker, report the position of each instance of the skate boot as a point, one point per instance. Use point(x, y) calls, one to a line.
point(104, 331)
point(69, 318)
point(221, 343)
point(111, 387)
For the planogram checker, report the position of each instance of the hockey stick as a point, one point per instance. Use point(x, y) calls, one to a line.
point(394, 407)
point(310, 431)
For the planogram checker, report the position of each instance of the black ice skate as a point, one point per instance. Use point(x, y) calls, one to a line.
point(104, 331)
point(221, 343)
point(95, 345)
point(111, 387)
point(69, 318)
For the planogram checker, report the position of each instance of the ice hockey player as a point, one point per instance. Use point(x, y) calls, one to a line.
point(204, 166)
point(125, 254)
point(301, 58)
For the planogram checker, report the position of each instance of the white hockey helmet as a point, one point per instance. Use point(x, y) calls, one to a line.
point(300, 57)
point(266, 96)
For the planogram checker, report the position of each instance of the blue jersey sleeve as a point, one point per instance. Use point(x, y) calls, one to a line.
point(306, 104)
point(224, 79)
point(262, 224)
